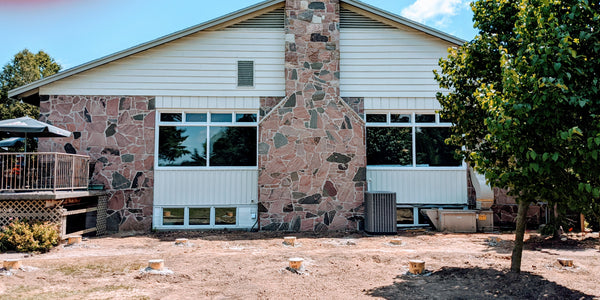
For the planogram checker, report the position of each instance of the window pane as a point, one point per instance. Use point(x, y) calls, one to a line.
point(225, 216)
point(195, 117)
point(376, 118)
point(182, 146)
point(200, 216)
point(404, 216)
point(172, 216)
point(245, 118)
point(431, 149)
point(425, 118)
point(389, 146)
point(232, 146)
point(170, 117)
point(220, 118)
point(400, 118)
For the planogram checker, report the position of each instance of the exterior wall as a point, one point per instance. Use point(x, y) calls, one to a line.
point(389, 62)
point(311, 147)
point(202, 64)
point(117, 132)
point(420, 186)
point(389, 103)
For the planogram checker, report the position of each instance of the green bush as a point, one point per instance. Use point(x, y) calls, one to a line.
point(29, 236)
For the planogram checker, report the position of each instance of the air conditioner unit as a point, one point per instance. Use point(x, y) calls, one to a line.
point(380, 212)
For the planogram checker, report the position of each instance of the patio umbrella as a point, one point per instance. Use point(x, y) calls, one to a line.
point(28, 127)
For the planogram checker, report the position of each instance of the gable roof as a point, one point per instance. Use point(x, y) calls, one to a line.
point(229, 19)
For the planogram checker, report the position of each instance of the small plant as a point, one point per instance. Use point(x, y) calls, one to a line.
point(29, 236)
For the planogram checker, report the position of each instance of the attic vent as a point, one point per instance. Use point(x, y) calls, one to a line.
point(350, 19)
point(272, 19)
point(245, 73)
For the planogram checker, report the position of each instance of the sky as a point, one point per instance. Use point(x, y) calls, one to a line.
point(74, 32)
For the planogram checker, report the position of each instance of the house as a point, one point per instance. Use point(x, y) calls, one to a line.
point(278, 116)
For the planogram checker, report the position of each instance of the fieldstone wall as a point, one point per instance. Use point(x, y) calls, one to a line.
point(312, 154)
point(117, 132)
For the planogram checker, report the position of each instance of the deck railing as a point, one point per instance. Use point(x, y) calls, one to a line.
point(43, 171)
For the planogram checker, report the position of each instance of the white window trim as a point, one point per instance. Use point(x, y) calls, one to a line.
point(413, 125)
point(207, 124)
point(186, 218)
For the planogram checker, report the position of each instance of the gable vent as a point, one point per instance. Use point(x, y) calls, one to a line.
point(245, 73)
point(272, 19)
point(350, 19)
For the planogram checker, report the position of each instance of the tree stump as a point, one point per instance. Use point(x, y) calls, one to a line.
point(74, 239)
point(156, 264)
point(181, 241)
point(12, 264)
point(289, 240)
point(396, 242)
point(565, 262)
point(296, 263)
point(416, 266)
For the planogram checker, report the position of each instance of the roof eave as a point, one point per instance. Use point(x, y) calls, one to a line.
point(407, 22)
point(32, 88)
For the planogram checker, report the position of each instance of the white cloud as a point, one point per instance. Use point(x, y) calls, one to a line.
point(436, 11)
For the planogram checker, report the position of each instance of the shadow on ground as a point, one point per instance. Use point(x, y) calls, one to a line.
point(475, 283)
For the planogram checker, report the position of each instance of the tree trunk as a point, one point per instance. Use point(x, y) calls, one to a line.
point(517, 253)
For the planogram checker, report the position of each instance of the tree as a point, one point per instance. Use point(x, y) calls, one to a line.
point(26, 67)
point(524, 100)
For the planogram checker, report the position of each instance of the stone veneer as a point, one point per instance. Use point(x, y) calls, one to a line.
point(312, 156)
point(117, 132)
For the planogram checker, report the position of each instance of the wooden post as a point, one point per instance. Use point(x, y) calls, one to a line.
point(296, 263)
point(74, 239)
point(416, 266)
point(181, 241)
point(582, 221)
point(156, 264)
point(396, 242)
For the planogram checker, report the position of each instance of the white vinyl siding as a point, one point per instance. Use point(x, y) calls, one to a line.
point(389, 63)
point(420, 186)
point(202, 64)
point(217, 187)
point(394, 103)
point(186, 102)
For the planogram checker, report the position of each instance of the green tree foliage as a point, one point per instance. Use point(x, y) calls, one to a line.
point(26, 67)
point(170, 145)
point(524, 99)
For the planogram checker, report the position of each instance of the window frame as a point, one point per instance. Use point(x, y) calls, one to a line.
point(413, 125)
point(206, 124)
point(212, 218)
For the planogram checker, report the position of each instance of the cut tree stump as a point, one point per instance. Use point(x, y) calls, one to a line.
point(566, 262)
point(296, 263)
point(12, 264)
point(74, 239)
point(156, 264)
point(416, 266)
point(181, 241)
point(289, 240)
point(396, 242)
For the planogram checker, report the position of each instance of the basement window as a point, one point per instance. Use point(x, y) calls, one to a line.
point(245, 73)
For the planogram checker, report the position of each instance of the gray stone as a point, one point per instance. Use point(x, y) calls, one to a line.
point(317, 37)
point(298, 195)
point(347, 122)
point(76, 135)
point(306, 65)
point(263, 148)
point(310, 215)
point(119, 181)
point(262, 208)
point(103, 160)
point(294, 74)
point(70, 149)
point(288, 207)
point(110, 130)
point(316, 65)
point(296, 224)
point(126, 158)
point(291, 102)
point(284, 226)
point(122, 104)
point(314, 118)
point(328, 219)
point(86, 115)
point(330, 46)
point(152, 104)
point(138, 117)
point(316, 5)
point(318, 96)
point(295, 177)
point(323, 73)
point(320, 110)
point(111, 151)
point(113, 221)
point(339, 158)
point(271, 227)
point(279, 140)
point(361, 174)
point(320, 227)
point(135, 183)
point(329, 136)
point(306, 15)
point(337, 75)
point(312, 199)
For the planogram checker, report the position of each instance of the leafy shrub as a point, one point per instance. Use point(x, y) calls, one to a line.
point(28, 236)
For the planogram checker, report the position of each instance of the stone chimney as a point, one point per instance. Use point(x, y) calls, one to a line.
point(312, 154)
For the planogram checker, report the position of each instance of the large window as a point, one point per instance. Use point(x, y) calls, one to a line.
point(409, 140)
point(192, 139)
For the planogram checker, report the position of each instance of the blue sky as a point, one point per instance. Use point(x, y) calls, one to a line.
point(74, 32)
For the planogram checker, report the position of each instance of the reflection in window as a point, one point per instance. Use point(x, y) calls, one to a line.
point(389, 146)
point(429, 118)
point(225, 216)
point(173, 216)
point(170, 117)
point(232, 146)
point(431, 148)
point(182, 146)
point(376, 118)
point(400, 118)
point(246, 118)
point(221, 118)
point(195, 118)
point(199, 216)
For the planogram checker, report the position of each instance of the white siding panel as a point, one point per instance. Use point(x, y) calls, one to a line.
point(414, 186)
point(205, 187)
point(183, 102)
point(391, 103)
point(389, 63)
point(202, 64)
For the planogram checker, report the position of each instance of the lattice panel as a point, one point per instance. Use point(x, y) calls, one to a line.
point(28, 209)
point(101, 215)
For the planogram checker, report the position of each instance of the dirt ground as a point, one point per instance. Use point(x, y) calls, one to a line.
point(244, 265)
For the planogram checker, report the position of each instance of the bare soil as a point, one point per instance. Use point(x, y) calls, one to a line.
point(244, 265)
